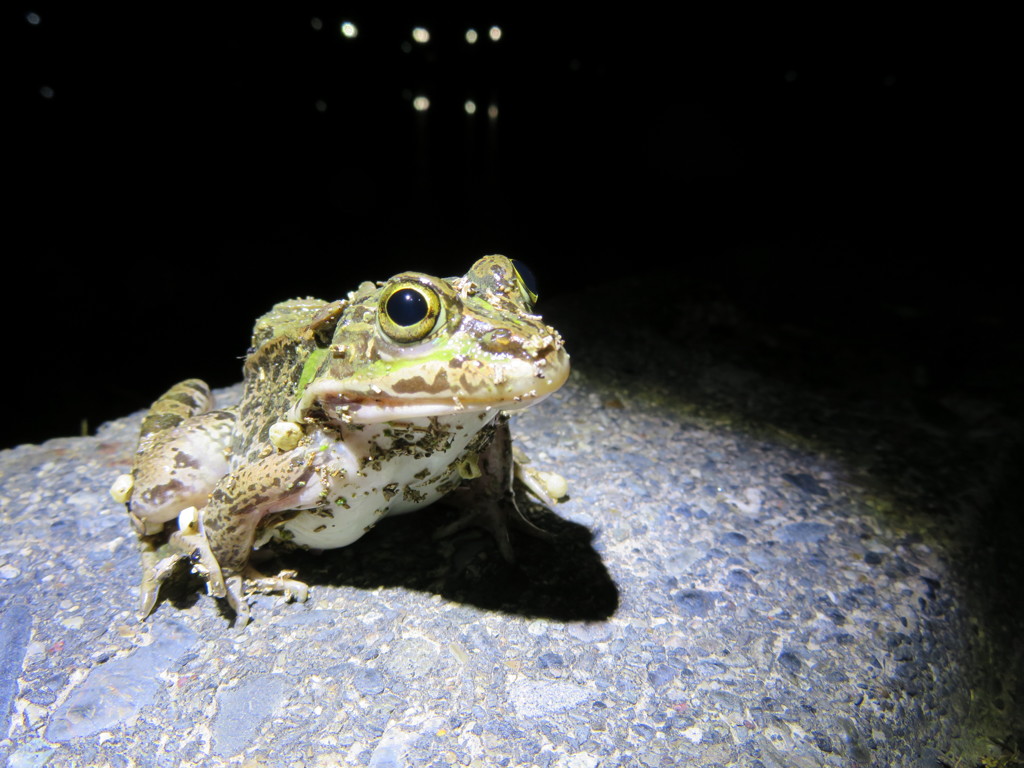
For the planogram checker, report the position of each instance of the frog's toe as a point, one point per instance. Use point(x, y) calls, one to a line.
point(234, 591)
point(196, 549)
point(150, 589)
point(154, 573)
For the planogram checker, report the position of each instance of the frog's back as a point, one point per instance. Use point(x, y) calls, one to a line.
point(283, 341)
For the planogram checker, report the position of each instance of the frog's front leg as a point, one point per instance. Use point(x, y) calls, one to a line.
point(488, 494)
point(241, 501)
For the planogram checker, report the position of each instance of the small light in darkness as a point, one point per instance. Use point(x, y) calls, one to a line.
point(470, 107)
point(316, 23)
point(471, 36)
point(421, 103)
point(348, 29)
point(495, 33)
point(32, 18)
point(420, 35)
point(46, 92)
point(492, 111)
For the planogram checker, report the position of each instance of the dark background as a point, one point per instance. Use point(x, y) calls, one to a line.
point(171, 175)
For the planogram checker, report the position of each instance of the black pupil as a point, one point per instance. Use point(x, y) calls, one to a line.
point(406, 307)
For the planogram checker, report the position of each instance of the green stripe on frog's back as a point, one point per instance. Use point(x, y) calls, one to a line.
point(309, 369)
point(286, 341)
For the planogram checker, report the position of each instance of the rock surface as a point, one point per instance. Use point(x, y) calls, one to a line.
point(749, 571)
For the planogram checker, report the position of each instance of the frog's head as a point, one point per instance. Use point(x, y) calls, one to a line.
point(419, 346)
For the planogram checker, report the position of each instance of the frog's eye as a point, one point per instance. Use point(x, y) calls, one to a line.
point(527, 282)
point(408, 311)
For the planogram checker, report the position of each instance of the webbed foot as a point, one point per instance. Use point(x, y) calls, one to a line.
point(237, 586)
point(159, 561)
point(548, 487)
point(284, 583)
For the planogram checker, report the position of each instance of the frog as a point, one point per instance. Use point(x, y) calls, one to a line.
point(375, 404)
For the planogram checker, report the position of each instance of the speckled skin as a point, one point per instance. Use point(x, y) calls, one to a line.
point(384, 418)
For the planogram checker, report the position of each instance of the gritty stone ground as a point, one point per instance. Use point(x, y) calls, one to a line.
point(760, 564)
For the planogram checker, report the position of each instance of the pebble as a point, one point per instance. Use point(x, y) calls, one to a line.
point(9, 572)
point(805, 532)
point(537, 698)
point(695, 602)
point(368, 682)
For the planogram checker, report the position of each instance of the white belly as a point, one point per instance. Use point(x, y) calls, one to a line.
point(371, 475)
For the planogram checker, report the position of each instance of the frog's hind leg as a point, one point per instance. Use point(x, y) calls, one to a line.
point(182, 453)
point(159, 562)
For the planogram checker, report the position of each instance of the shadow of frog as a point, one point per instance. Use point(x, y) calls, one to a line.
point(558, 575)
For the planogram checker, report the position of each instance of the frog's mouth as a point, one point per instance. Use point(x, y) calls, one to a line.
point(435, 390)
